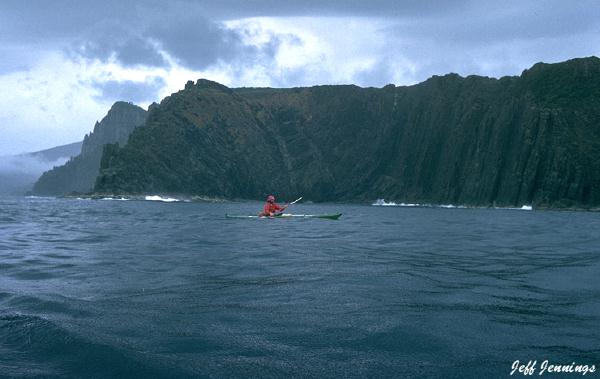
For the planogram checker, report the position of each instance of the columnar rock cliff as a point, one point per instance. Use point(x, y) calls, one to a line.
point(79, 173)
point(475, 140)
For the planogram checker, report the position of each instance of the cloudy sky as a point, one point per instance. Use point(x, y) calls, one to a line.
point(64, 62)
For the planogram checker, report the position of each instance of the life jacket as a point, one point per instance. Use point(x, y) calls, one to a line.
point(270, 208)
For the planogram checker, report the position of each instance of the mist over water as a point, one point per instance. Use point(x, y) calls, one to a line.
point(28, 164)
point(18, 173)
point(155, 289)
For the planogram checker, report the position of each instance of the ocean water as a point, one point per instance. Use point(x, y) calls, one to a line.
point(146, 289)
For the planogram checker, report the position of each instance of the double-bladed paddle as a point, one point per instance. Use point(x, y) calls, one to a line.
point(293, 202)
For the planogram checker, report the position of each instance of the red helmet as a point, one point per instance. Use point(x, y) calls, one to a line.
point(271, 199)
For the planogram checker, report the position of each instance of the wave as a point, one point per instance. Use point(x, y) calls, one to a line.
point(163, 199)
point(523, 208)
point(35, 346)
point(450, 206)
point(383, 203)
point(114, 198)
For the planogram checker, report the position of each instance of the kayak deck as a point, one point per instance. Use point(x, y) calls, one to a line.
point(288, 215)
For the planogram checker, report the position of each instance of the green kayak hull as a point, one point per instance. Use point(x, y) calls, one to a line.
point(287, 215)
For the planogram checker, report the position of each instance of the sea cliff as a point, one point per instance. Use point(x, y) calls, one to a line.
point(533, 138)
point(80, 172)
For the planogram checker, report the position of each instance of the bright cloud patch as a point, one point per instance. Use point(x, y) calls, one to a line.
point(322, 50)
point(58, 100)
point(135, 92)
point(45, 106)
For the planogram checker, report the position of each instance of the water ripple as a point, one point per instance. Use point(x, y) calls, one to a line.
point(165, 290)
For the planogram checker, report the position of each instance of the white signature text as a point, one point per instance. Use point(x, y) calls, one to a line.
point(531, 368)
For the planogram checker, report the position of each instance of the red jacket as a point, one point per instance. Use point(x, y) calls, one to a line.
point(271, 208)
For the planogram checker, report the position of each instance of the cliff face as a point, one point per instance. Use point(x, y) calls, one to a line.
point(79, 173)
point(475, 140)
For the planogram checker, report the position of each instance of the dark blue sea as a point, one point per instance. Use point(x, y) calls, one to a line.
point(147, 289)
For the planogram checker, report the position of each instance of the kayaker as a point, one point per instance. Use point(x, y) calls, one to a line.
point(271, 208)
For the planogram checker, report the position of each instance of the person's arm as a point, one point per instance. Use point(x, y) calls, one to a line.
point(266, 210)
point(276, 209)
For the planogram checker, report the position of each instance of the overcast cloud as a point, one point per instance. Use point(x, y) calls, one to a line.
point(65, 62)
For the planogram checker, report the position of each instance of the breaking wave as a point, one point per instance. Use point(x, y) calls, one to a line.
point(523, 208)
point(159, 198)
point(383, 203)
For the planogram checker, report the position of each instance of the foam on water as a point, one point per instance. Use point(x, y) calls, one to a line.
point(523, 208)
point(383, 203)
point(159, 198)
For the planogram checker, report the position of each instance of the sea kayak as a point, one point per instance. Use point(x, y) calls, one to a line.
point(288, 215)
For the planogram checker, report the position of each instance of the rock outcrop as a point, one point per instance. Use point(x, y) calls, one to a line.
point(80, 172)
